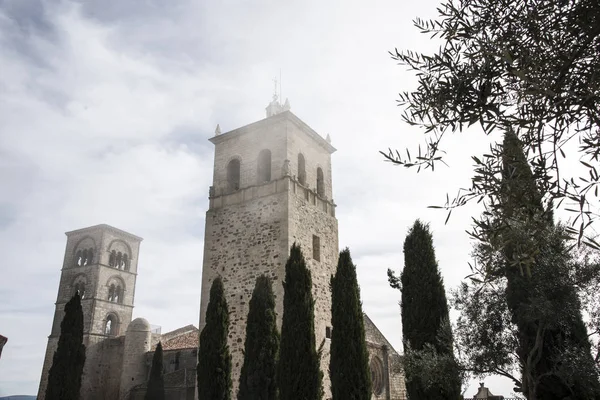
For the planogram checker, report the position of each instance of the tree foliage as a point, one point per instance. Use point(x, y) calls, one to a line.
point(349, 359)
point(214, 360)
point(521, 310)
point(64, 377)
point(531, 67)
point(257, 379)
point(299, 375)
point(156, 383)
point(430, 367)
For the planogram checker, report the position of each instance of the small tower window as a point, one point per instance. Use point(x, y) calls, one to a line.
point(115, 293)
point(264, 166)
point(110, 326)
point(233, 175)
point(301, 170)
point(320, 183)
point(90, 257)
point(79, 286)
point(328, 332)
point(112, 259)
point(316, 248)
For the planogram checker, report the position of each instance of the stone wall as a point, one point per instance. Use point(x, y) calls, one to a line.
point(243, 241)
point(381, 353)
point(315, 156)
point(245, 145)
point(102, 370)
point(95, 276)
point(307, 220)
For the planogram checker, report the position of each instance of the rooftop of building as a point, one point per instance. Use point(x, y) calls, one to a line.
point(104, 227)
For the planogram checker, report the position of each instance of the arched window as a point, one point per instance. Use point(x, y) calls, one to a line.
point(377, 376)
point(119, 260)
point(111, 325)
point(320, 183)
point(79, 286)
point(112, 259)
point(301, 170)
point(125, 262)
point(116, 289)
point(233, 174)
point(263, 172)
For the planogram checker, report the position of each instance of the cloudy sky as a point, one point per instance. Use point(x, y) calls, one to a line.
point(106, 108)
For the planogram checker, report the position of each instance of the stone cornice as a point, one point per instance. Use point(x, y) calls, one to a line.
point(104, 227)
point(283, 116)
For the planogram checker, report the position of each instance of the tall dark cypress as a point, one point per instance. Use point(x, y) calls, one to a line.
point(156, 383)
point(257, 378)
point(214, 360)
point(299, 376)
point(349, 360)
point(543, 303)
point(425, 314)
point(64, 377)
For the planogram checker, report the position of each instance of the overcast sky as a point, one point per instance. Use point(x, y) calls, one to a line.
point(106, 108)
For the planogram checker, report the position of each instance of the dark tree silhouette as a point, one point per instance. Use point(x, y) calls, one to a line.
point(64, 377)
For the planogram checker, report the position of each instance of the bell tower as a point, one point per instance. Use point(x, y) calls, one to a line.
point(101, 263)
point(272, 186)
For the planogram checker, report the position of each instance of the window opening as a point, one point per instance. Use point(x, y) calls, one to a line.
point(328, 332)
point(110, 326)
point(90, 257)
point(301, 170)
point(316, 248)
point(320, 183)
point(377, 377)
point(233, 174)
point(264, 166)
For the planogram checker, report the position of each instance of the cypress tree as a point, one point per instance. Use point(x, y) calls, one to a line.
point(349, 362)
point(64, 377)
point(553, 343)
point(298, 374)
point(214, 360)
point(257, 378)
point(425, 320)
point(156, 383)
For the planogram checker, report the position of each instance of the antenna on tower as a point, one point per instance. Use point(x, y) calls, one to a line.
point(275, 89)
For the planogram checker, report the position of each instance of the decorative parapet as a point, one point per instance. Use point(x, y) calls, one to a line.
point(283, 184)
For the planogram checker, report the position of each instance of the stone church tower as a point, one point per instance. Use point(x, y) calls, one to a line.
point(101, 263)
point(272, 186)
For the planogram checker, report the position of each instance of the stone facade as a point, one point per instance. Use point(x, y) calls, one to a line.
point(100, 262)
point(272, 186)
point(252, 223)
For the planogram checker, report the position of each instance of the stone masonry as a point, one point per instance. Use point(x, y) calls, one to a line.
point(250, 227)
point(100, 262)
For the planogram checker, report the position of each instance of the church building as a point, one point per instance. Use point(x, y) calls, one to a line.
point(272, 186)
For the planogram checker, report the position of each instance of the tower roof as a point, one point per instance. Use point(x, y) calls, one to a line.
point(285, 116)
point(106, 228)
